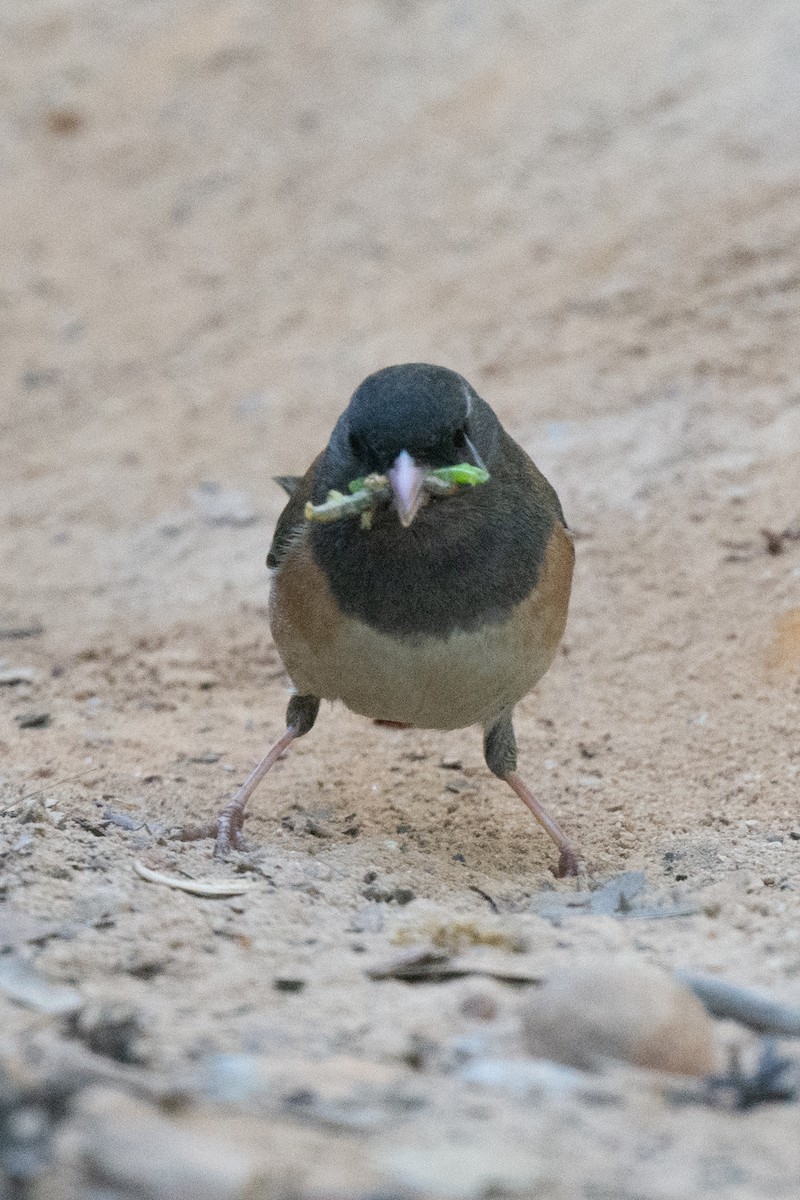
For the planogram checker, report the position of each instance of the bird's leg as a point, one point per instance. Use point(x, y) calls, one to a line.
point(567, 859)
point(227, 829)
point(500, 751)
point(231, 819)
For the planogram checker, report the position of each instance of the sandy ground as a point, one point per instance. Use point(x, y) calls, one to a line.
point(215, 219)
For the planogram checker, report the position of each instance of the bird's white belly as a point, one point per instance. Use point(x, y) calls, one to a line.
point(431, 683)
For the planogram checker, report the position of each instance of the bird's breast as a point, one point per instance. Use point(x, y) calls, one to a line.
point(429, 681)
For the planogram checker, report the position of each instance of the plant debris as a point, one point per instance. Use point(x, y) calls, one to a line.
point(33, 720)
point(18, 632)
point(428, 965)
point(210, 888)
point(617, 898)
point(774, 1079)
point(122, 820)
point(366, 492)
point(776, 541)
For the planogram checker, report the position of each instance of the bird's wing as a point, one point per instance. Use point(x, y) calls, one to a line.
point(292, 520)
point(289, 483)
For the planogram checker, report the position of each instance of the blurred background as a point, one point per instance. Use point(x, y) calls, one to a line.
point(217, 216)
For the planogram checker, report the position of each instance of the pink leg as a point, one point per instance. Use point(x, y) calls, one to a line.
point(227, 829)
point(568, 859)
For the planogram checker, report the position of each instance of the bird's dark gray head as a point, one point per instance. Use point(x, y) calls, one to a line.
point(416, 414)
point(415, 407)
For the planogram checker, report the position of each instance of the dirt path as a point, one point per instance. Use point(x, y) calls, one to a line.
point(215, 219)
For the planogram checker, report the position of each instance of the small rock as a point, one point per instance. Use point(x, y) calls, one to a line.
point(127, 1148)
point(288, 983)
point(12, 676)
point(590, 782)
point(319, 871)
point(385, 891)
point(112, 1029)
point(17, 928)
point(479, 1006)
point(17, 632)
point(624, 1009)
point(457, 785)
point(123, 820)
point(23, 984)
point(98, 906)
point(450, 763)
point(33, 810)
point(369, 919)
point(316, 829)
point(36, 380)
point(64, 121)
point(33, 720)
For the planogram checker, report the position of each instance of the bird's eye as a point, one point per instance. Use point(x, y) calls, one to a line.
point(356, 444)
point(460, 438)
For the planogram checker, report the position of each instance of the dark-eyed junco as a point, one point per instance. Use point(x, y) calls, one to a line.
point(441, 609)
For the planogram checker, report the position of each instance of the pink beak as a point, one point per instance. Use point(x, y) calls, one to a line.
point(406, 479)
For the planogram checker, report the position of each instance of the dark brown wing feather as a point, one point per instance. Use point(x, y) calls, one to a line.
point(292, 519)
point(288, 482)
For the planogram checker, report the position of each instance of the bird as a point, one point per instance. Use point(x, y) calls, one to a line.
point(441, 611)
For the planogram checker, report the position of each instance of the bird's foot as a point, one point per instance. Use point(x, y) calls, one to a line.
point(229, 829)
point(568, 861)
point(226, 830)
point(568, 864)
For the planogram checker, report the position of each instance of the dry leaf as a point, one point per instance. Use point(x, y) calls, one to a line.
point(214, 888)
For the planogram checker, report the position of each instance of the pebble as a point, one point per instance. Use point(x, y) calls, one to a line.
point(13, 676)
point(22, 983)
point(129, 1149)
point(369, 919)
point(112, 1029)
point(386, 890)
point(288, 983)
point(479, 1006)
point(33, 720)
point(624, 1009)
point(18, 928)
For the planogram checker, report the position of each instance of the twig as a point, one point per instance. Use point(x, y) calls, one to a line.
point(749, 1008)
point(493, 905)
point(212, 888)
point(47, 787)
point(365, 493)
